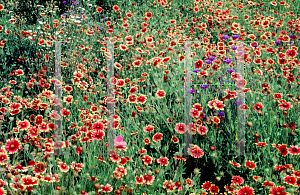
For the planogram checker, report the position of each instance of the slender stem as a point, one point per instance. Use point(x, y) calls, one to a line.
point(286, 132)
point(176, 171)
point(168, 149)
point(203, 167)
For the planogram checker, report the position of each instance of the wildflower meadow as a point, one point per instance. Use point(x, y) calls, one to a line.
point(149, 97)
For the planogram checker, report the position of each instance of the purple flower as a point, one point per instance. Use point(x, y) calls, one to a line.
point(207, 61)
point(225, 36)
point(230, 70)
point(235, 36)
point(196, 70)
point(212, 58)
point(228, 61)
point(255, 45)
point(278, 42)
point(74, 0)
point(219, 78)
point(102, 29)
point(63, 15)
point(220, 113)
point(191, 91)
point(234, 47)
point(205, 86)
point(105, 19)
point(64, 2)
point(82, 13)
point(291, 36)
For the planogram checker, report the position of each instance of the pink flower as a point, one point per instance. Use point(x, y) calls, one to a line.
point(119, 142)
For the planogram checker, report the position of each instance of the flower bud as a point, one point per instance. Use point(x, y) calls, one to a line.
point(97, 186)
point(249, 124)
point(156, 171)
point(292, 133)
point(256, 135)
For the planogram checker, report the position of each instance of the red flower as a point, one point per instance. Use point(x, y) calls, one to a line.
point(175, 139)
point(12, 146)
point(139, 180)
point(149, 128)
point(278, 190)
point(157, 137)
point(147, 160)
point(237, 180)
point(283, 150)
point(146, 141)
point(199, 64)
point(195, 151)
point(188, 182)
point(163, 161)
point(99, 9)
point(106, 188)
point(198, 107)
point(141, 99)
point(261, 144)
point(202, 130)
point(39, 168)
point(148, 14)
point(282, 61)
point(23, 125)
point(98, 135)
point(132, 99)
point(180, 128)
point(206, 185)
point(195, 113)
point(277, 96)
point(93, 179)
point(63, 167)
point(148, 179)
point(250, 164)
point(179, 158)
point(116, 8)
point(160, 93)
point(285, 106)
point(291, 53)
point(246, 191)
point(2, 190)
point(258, 106)
point(294, 150)
point(98, 126)
point(290, 180)
point(216, 120)
point(292, 126)
point(290, 79)
point(133, 113)
point(214, 189)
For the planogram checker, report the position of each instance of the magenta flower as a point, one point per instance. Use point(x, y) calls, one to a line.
point(119, 142)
